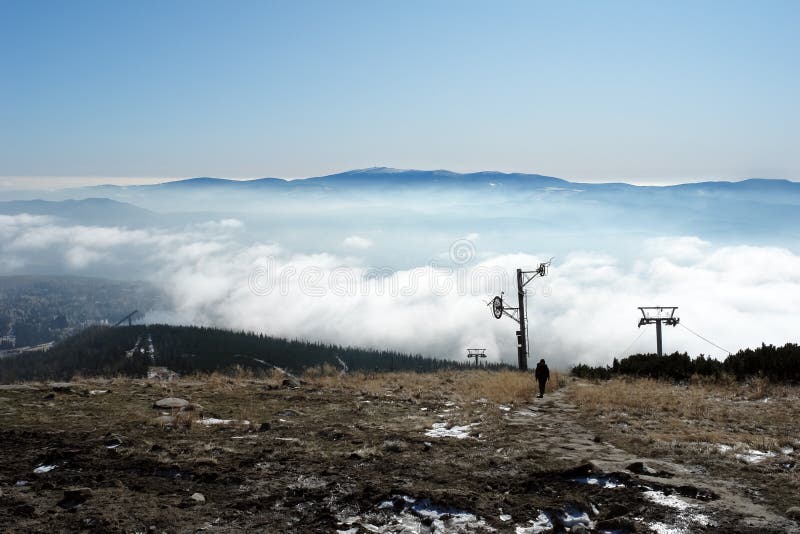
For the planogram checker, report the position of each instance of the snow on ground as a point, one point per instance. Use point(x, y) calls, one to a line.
point(603, 482)
point(542, 523)
point(211, 421)
point(440, 430)
point(151, 350)
point(752, 456)
point(689, 517)
point(407, 515)
point(45, 468)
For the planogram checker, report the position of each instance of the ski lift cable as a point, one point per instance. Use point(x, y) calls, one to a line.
point(634, 341)
point(705, 339)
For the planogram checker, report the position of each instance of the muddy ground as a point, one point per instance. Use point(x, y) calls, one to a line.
point(91, 456)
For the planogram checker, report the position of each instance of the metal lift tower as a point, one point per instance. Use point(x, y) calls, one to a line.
point(518, 314)
point(658, 315)
point(476, 353)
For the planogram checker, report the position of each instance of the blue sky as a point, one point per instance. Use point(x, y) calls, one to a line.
point(649, 92)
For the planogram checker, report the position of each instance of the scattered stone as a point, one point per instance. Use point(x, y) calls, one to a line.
point(290, 382)
point(793, 513)
point(700, 494)
point(112, 441)
point(171, 402)
point(74, 497)
point(264, 427)
point(641, 468)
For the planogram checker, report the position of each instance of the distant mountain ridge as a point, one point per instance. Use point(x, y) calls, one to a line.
point(413, 177)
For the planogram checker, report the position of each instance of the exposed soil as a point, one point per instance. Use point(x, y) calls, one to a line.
point(327, 459)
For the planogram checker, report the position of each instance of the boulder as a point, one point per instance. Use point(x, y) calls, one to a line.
point(171, 403)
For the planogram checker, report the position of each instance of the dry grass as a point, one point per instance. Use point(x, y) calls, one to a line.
point(494, 386)
point(758, 414)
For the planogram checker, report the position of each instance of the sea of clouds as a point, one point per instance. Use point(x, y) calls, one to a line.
point(585, 310)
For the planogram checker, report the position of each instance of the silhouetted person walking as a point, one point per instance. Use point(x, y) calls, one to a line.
point(542, 376)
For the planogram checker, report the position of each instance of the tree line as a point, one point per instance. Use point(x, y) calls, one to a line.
point(105, 351)
point(781, 364)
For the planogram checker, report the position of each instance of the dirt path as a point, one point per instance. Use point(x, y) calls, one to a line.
point(337, 459)
point(720, 500)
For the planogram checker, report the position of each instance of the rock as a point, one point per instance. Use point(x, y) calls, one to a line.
point(112, 441)
point(74, 497)
point(290, 382)
point(199, 498)
point(171, 402)
point(578, 529)
point(165, 420)
point(793, 513)
point(641, 468)
point(264, 427)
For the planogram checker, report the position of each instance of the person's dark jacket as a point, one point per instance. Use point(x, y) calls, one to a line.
point(542, 372)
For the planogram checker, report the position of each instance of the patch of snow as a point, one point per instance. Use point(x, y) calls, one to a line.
point(151, 350)
point(542, 523)
point(504, 408)
point(603, 482)
point(416, 516)
point(724, 448)
point(44, 468)
point(211, 421)
point(753, 456)
point(573, 516)
point(440, 430)
point(98, 392)
point(787, 450)
point(663, 528)
point(670, 501)
point(505, 517)
point(688, 517)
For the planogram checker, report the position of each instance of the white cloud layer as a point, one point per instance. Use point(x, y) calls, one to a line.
point(357, 242)
point(585, 311)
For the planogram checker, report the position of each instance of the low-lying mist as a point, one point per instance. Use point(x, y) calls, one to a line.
point(223, 273)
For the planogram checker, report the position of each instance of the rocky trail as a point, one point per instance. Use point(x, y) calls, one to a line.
point(259, 456)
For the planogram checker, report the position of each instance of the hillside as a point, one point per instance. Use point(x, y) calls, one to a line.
point(130, 350)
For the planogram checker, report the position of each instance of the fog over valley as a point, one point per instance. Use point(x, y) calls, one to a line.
point(407, 260)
